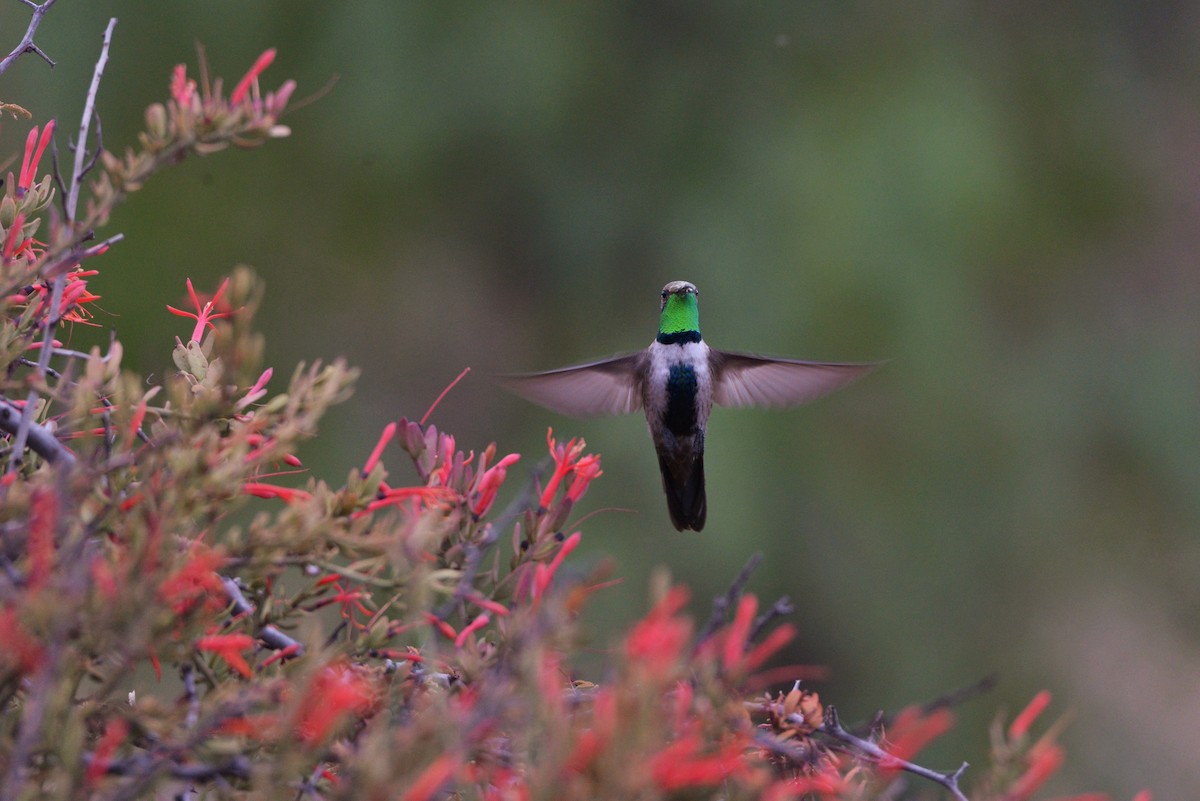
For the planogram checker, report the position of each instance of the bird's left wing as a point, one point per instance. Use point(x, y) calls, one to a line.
point(742, 379)
point(609, 386)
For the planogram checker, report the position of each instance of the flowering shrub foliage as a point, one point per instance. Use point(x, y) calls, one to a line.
point(183, 611)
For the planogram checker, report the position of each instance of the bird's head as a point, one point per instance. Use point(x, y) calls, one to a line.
point(680, 309)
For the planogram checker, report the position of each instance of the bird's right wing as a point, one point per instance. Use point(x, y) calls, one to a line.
point(743, 379)
point(609, 386)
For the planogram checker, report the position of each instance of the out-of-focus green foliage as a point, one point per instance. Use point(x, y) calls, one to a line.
point(998, 199)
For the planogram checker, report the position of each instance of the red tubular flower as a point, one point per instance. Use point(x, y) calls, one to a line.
point(739, 631)
point(43, 522)
point(33, 154)
point(544, 573)
point(475, 625)
point(397, 496)
point(586, 469)
point(282, 654)
point(243, 86)
point(657, 641)
point(257, 727)
point(564, 457)
point(912, 731)
point(13, 244)
point(1043, 763)
point(277, 101)
point(488, 604)
point(183, 89)
point(770, 644)
point(257, 391)
point(74, 295)
point(286, 494)
point(135, 422)
point(826, 782)
point(70, 306)
point(389, 431)
point(229, 647)
point(196, 580)
point(21, 652)
point(426, 786)
point(1021, 723)
point(677, 766)
point(337, 692)
point(205, 312)
point(445, 628)
point(104, 579)
point(446, 456)
point(489, 484)
point(349, 600)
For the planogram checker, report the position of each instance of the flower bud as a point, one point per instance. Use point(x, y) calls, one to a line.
point(156, 121)
point(8, 211)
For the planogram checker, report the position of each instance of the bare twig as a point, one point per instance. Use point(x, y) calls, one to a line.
point(39, 438)
point(237, 767)
point(963, 694)
point(781, 608)
point(792, 750)
point(832, 727)
point(60, 280)
point(271, 636)
point(27, 45)
point(95, 151)
point(89, 113)
point(188, 675)
point(723, 603)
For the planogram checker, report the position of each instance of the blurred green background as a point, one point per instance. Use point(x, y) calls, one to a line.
point(999, 199)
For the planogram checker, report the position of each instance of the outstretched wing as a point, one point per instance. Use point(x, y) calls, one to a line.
point(742, 379)
point(609, 386)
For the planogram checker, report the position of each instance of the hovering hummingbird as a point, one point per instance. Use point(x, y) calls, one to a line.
point(677, 380)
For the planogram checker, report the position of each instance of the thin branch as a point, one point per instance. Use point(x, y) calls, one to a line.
point(960, 696)
point(60, 281)
point(237, 767)
point(27, 45)
point(781, 608)
point(96, 150)
point(723, 603)
point(72, 256)
point(188, 674)
point(39, 438)
point(798, 754)
point(89, 113)
point(271, 636)
point(833, 728)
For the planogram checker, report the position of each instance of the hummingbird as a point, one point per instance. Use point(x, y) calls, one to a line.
point(676, 381)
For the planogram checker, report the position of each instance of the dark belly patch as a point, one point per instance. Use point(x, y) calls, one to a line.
point(680, 418)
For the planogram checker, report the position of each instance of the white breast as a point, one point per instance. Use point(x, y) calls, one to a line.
point(662, 359)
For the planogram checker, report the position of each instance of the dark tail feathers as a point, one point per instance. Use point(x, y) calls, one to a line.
point(685, 494)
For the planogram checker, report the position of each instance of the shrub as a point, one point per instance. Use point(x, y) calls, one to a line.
point(352, 640)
